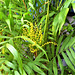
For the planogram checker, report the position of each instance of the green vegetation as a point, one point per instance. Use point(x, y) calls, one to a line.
point(32, 38)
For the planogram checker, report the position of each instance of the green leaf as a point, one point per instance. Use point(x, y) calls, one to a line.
point(9, 64)
point(42, 59)
point(73, 53)
point(8, 22)
point(62, 17)
point(67, 3)
point(16, 56)
point(28, 70)
point(31, 5)
point(68, 61)
point(50, 67)
point(71, 42)
point(11, 42)
point(42, 19)
point(24, 73)
point(10, 17)
point(53, 49)
point(59, 44)
point(16, 73)
point(50, 38)
point(35, 68)
point(5, 68)
point(65, 43)
point(2, 47)
point(73, 5)
point(31, 1)
point(40, 65)
point(46, 25)
point(2, 60)
point(1, 15)
point(39, 56)
point(70, 57)
point(0, 73)
point(55, 67)
point(7, 2)
point(5, 37)
point(61, 65)
point(32, 42)
point(12, 50)
point(3, 42)
point(59, 21)
point(13, 33)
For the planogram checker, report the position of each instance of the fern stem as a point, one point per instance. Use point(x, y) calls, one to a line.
point(46, 25)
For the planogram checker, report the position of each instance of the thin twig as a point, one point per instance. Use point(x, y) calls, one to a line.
point(25, 5)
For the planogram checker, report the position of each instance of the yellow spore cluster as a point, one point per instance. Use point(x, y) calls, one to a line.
point(35, 34)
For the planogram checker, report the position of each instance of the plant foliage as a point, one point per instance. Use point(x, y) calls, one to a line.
point(32, 41)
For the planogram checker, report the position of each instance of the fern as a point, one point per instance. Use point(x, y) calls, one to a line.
point(66, 50)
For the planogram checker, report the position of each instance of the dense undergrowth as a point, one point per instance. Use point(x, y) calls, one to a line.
point(32, 38)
